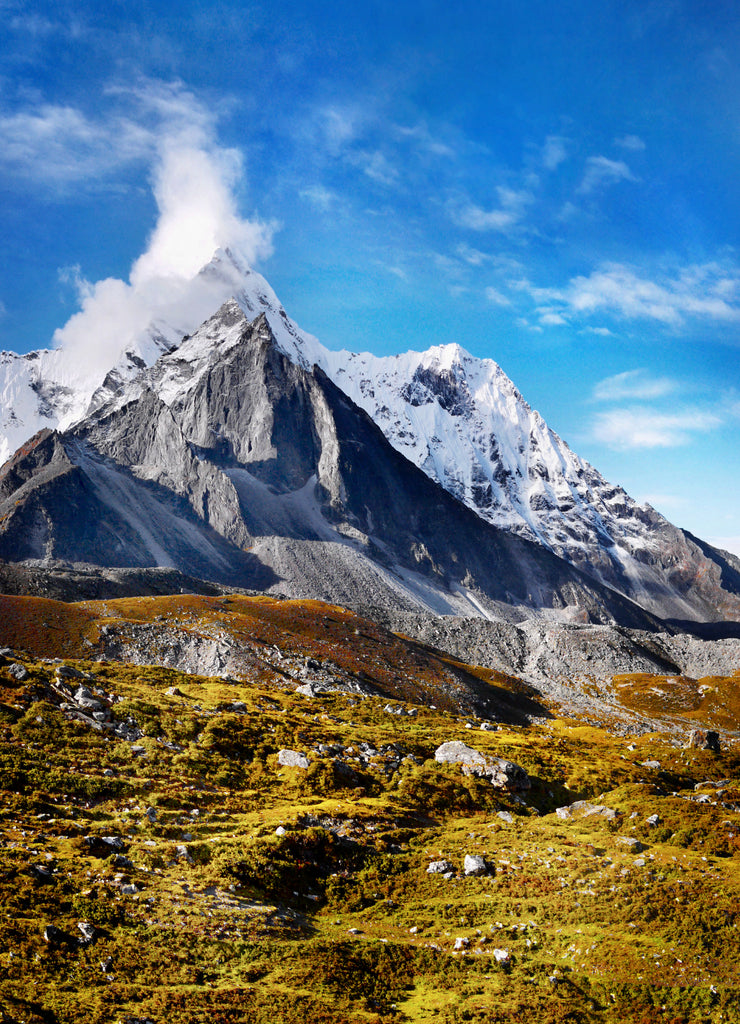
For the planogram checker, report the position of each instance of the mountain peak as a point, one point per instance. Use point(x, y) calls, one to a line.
point(457, 418)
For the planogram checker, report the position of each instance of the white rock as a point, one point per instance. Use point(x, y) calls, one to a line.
point(475, 865)
point(634, 844)
point(293, 759)
point(584, 809)
point(502, 773)
point(440, 867)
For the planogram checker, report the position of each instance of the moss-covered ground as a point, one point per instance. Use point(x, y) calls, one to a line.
point(220, 886)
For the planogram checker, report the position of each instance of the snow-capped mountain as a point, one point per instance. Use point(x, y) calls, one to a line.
point(462, 421)
point(458, 418)
point(230, 460)
point(54, 388)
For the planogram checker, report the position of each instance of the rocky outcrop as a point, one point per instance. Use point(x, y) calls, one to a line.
point(501, 773)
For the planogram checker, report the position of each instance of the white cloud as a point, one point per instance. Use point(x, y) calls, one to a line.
point(376, 166)
point(338, 126)
point(705, 291)
point(644, 428)
point(60, 145)
point(632, 384)
point(318, 196)
point(551, 318)
point(554, 152)
point(496, 297)
point(33, 25)
point(478, 219)
point(601, 332)
point(474, 257)
point(194, 189)
point(510, 211)
point(421, 134)
point(601, 172)
point(194, 181)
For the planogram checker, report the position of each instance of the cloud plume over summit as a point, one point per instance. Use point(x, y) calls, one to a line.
point(194, 183)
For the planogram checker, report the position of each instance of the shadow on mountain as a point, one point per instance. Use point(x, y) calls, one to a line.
point(516, 703)
point(706, 630)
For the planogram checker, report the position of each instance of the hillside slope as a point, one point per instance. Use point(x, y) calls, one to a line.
point(188, 848)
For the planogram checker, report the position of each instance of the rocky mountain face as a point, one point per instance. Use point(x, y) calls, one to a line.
point(463, 422)
point(229, 460)
point(457, 418)
point(54, 388)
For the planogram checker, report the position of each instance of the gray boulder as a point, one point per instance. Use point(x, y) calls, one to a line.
point(585, 809)
point(476, 865)
point(440, 867)
point(292, 759)
point(632, 844)
point(704, 740)
point(68, 672)
point(501, 773)
point(311, 690)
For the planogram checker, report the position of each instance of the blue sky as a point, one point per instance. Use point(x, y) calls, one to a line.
point(553, 186)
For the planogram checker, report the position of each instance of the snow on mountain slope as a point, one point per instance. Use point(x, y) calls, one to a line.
point(458, 418)
point(463, 422)
point(55, 388)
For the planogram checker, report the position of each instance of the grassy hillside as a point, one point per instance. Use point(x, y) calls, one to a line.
point(190, 877)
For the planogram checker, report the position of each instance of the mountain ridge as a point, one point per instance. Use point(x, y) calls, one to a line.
point(260, 467)
point(465, 424)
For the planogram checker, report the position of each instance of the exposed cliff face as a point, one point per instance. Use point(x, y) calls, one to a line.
point(463, 422)
point(228, 444)
point(457, 418)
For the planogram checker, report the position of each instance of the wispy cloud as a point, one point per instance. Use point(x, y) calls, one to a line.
point(195, 181)
point(376, 165)
point(512, 204)
point(338, 126)
point(633, 384)
point(600, 332)
point(64, 146)
point(601, 172)
point(554, 152)
point(473, 256)
point(638, 427)
point(61, 145)
point(318, 196)
point(551, 318)
point(496, 297)
point(708, 291)
point(633, 143)
point(421, 134)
